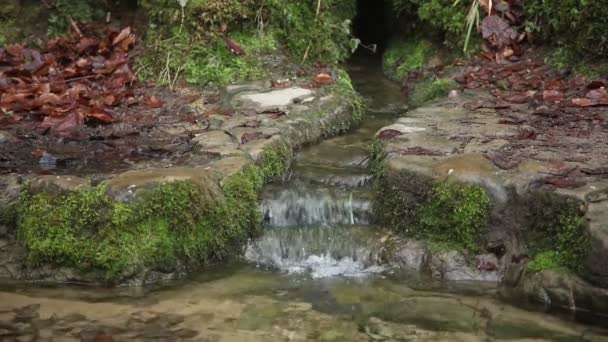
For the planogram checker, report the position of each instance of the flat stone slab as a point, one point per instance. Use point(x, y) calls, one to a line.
point(501, 151)
point(277, 98)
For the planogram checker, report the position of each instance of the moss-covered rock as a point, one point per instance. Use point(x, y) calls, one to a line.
point(444, 212)
point(429, 90)
point(166, 224)
point(556, 234)
point(403, 57)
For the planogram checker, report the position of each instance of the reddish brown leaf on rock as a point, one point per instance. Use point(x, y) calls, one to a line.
point(564, 183)
point(100, 115)
point(234, 47)
point(324, 78)
point(64, 126)
point(596, 84)
point(555, 85)
point(49, 98)
point(527, 132)
point(519, 97)
point(389, 134)
point(124, 34)
point(553, 96)
point(153, 102)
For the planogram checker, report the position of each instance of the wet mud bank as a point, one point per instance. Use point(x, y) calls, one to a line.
point(161, 219)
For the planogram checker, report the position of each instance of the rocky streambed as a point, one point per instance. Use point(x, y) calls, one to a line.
point(347, 251)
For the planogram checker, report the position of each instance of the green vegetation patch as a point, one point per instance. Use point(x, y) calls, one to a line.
point(276, 160)
point(556, 228)
point(403, 57)
point(546, 261)
point(175, 222)
point(447, 213)
point(456, 213)
point(577, 26)
point(430, 90)
point(344, 89)
point(189, 41)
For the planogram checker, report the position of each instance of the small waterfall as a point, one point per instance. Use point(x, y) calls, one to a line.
point(321, 251)
point(309, 207)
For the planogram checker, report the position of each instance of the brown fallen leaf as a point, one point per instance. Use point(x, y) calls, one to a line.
point(153, 102)
point(324, 78)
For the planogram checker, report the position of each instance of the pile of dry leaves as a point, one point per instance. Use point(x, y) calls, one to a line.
point(73, 81)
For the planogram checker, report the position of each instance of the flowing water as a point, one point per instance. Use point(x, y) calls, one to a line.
point(314, 275)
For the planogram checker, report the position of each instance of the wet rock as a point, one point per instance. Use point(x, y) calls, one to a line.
point(595, 263)
point(272, 99)
point(126, 185)
point(455, 266)
point(213, 139)
point(58, 184)
point(255, 149)
point(6, 137)
point(251, 86)
point(397, 130)
point(559, 290)
point(228, 166)
point(27, 313)
point(407, 255)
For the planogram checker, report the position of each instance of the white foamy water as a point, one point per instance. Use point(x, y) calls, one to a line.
point(293, 207)
point(321, 252)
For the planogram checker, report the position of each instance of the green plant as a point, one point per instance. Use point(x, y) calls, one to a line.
point(179, 221)
point(345, 90)
point(430, 90)
point(403, 57)
point(63, 11)
point(456, 213)
point(577, 25)
point(555, 225)
point(546, 261)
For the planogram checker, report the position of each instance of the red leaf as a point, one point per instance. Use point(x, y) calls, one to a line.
point(153, 102)
point(323, 78)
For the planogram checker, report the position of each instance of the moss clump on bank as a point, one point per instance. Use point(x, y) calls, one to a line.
point(455, 214)
point(403, 57)
point(344, 89)
point(430, 90)
point(276, 160)
point(175, 223)
point(557, 229)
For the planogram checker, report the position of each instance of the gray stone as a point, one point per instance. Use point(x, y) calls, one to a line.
point(59, 183)
point(275, 98)
point(251, 86)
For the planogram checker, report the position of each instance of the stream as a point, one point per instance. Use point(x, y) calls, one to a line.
point(314, 275)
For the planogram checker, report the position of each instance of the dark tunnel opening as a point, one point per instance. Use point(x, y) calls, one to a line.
point(372, 25)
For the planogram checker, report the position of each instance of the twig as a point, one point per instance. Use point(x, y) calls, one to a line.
point(310, 43)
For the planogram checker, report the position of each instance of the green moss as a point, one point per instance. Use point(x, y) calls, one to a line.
point(577, 26)
point(455, 213)
point(448, 214)
point(62, 11)
point(190, 43)
point(546, 261)
point(555, 225)
point(276, 160)
point(398, 198)
point(403, 57)
point(344, 89)
point(562, 59)
point(207, 63)
point(431, 90)
point(88, 230)
point(8, 215)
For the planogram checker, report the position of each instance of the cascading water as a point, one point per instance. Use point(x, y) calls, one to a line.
point(318, 223)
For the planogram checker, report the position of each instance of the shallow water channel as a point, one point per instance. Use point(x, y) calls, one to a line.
point(313, 275)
